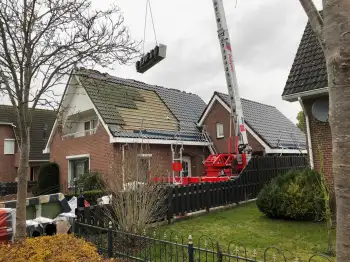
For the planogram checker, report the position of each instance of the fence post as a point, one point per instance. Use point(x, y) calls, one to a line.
point(190, 249)
point(110, 240)
point(208, 196)
point(170, 211)
point(74, 226)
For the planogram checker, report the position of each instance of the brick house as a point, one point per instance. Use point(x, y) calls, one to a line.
point(43, 121)
point(307, 83)
point(269, 131)
point(101, 116)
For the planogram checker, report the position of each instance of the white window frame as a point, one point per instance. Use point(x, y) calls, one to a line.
point(12, 149)
point(92, 128)
point(75, 157)
point(220, 130)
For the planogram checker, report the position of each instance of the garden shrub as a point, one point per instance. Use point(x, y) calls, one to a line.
point(48, 180)
point(90, 196)
point(296, 195)
point(91, 181)
point(58, 248)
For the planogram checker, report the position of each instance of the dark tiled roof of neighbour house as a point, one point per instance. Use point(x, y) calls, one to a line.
point(43, 121)
point(114, 91)
point(309, 70)
point(270, 124)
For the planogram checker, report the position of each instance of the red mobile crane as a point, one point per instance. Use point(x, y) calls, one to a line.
point(220, 167)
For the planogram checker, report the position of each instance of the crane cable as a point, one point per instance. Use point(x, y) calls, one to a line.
point(148, 3)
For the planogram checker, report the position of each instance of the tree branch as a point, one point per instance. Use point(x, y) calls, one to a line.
point(315, 19)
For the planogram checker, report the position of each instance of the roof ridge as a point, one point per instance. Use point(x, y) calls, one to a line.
point(133, 80)
point(36, 109)
point(247, 100)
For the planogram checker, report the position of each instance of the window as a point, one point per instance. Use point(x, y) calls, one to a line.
point(219, 130)
point(78, 165)
point(89, 126)
point(34, 172)
point(9, 146)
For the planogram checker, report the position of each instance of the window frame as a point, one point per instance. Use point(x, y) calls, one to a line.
point(13, 142)
point(71, 159)
point(220, 127)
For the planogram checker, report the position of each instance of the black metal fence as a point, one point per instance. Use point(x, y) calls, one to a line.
point(204, 196)
point(10, 188)
point(152, 246)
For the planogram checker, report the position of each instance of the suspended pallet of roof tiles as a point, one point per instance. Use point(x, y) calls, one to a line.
point(152, 58)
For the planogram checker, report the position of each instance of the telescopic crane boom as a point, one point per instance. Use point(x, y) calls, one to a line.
point(242, 148)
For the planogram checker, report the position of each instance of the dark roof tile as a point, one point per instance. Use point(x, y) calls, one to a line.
point(270, 124)
point(186, 107)
point(43, 121)
point(309, 70)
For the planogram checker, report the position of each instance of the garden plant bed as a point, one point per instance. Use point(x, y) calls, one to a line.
point(248, 225)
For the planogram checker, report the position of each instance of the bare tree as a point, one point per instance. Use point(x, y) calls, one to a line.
point(333, 32)
point(40, 42)
point(137, 201)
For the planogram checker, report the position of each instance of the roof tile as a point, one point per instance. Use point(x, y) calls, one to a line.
point(309, 71)
point(186, 107)
point(270, 124)
point(42, 124)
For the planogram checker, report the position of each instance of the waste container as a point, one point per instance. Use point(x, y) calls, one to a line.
point(7, 224)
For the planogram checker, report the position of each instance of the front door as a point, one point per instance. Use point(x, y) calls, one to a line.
point(186, 166)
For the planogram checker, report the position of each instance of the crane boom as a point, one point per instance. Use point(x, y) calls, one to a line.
point(231, 79)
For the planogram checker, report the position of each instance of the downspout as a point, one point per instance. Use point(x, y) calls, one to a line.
point(308, 133)
point(123, 165)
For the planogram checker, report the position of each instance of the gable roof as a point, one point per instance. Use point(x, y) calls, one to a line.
point(269, 124)
point(309, 71)
point(186, 107)
point(42, 123)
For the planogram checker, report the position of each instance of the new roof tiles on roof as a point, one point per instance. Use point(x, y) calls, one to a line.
point(269, 123)
point(42, 124)
point(309, 71)
point(186, 107)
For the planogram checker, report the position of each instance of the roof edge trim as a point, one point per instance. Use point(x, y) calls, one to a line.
point(312, 93)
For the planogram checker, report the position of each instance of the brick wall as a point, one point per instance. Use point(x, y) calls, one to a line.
point(107, 158)
point(7, 162)
point(97, 145)
point(219, 114)
point(320, 136)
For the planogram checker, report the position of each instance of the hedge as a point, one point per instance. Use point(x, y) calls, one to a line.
point(295, 195)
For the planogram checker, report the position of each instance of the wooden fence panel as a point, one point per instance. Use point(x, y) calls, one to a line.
point(203, 196)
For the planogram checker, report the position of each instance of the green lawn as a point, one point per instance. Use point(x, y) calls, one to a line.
point(247, 224)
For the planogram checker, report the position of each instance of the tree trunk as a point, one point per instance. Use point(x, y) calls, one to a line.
point(22, 175)
point(336, 34)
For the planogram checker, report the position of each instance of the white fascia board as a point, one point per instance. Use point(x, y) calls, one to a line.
point(97, 113)
point(6, 124)
point(43, 160)
point(128, 140)
point(311, 93)
point(47, 147)
point(78, 156)
point(286, 151)
point(208, 109)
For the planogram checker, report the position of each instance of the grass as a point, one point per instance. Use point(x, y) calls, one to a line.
point(248, 225)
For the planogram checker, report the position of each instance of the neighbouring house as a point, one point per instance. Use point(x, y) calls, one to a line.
point(268, 130)
point(101, 116)
point(307, 83)
point(43, 121)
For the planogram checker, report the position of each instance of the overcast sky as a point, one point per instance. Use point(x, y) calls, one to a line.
point(265, 35)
